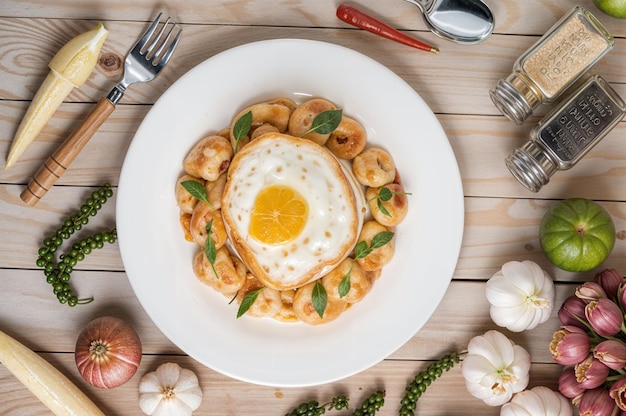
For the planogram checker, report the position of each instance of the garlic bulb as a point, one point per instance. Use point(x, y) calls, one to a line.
point(495, 368)
point(539, 401)
point(169, 391)
point(521, 295)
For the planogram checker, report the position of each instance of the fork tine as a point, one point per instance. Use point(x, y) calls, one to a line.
point(147, 34)
point(165, 41)
point(157, 39)
point(170, 50)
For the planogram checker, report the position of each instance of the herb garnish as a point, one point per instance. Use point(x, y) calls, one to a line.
point(344, 285)
point(362, 250)
point(325, 122)
point(242, 128)
point(247, 301)
point(209, 248)
point(197, 190)
point(384, 195)
point(319, 296)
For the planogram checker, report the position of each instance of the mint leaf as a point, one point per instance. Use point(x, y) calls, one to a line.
point(209, 248)
point(319, 298)
point(247, 301)
point(325, 122)
point(242, 128)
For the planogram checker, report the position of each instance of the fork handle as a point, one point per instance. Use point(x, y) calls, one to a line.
point(55, 166)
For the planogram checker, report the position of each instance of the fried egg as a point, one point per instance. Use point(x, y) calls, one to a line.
point(322, 222)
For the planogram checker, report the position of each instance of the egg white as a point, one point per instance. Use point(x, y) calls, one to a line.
point(335, 213)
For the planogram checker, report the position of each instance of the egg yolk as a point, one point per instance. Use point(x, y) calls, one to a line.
point(278, 216)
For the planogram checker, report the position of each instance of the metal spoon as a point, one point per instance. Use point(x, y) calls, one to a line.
point(461, 21)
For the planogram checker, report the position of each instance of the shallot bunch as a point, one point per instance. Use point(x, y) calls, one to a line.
point(591, 344)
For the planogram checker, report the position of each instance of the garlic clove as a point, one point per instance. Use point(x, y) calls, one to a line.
point(191, 398)
point(172, 407)
point(522, 275)
point(501, 292)
point(168, 374)
point(149, 401)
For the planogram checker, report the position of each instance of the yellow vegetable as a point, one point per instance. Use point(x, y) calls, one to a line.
point(50, 386)
point(69, 68)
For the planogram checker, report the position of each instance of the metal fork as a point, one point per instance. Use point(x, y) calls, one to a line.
point(142, 64)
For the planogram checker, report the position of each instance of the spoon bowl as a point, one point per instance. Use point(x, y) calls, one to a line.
point(461, 21)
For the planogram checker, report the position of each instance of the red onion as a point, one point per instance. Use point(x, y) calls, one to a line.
point(108, 352)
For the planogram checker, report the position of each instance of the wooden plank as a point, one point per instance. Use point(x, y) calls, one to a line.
point(501, 217)
point(28, 307)
point(25, 227)
point(100, 161)
point(464, 313)
point(436, 77)
point(533, 19)
point(498, 230)
point(225, 396)
point(480, 144)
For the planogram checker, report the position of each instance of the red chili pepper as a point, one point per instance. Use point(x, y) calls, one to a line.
point(361, 20)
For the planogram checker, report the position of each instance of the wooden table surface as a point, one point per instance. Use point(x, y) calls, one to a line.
point(501, 217)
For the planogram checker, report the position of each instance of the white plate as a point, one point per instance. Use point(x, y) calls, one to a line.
point(158, 260)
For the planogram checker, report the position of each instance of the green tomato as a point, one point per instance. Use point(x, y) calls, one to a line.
point(614, 8)
point(577, 234)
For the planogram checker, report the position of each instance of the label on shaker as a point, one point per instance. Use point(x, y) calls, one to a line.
point(570, 131)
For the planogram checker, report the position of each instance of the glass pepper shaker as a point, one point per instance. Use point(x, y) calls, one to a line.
point(553, 64)
point(567, 133)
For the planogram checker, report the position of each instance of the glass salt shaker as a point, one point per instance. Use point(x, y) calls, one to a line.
point(567, 133)
point(553, 64)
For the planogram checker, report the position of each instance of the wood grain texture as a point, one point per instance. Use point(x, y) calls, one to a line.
point(501, 217)
point(534, 17)
point(224, 396)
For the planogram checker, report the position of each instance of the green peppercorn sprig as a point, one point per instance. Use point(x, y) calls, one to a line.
point(371, 404)
point(58, 273)
point(313, 408)
point(416, 387)
point(369, 407)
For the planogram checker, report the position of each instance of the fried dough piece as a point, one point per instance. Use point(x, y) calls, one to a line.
point(305, 311)
point(227, 281)
point(360, 281)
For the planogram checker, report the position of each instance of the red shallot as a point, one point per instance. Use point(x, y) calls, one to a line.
point(108, 352)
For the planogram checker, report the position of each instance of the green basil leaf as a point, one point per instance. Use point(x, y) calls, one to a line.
point(247, 302)
point(381, 239)
point(382, 208)
point(196, 189)
point(209, 248)
point(319, 298)
point(361, 250)
point(242, 128)
point(385, 194)
point(325, 122)
point(344, 285)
